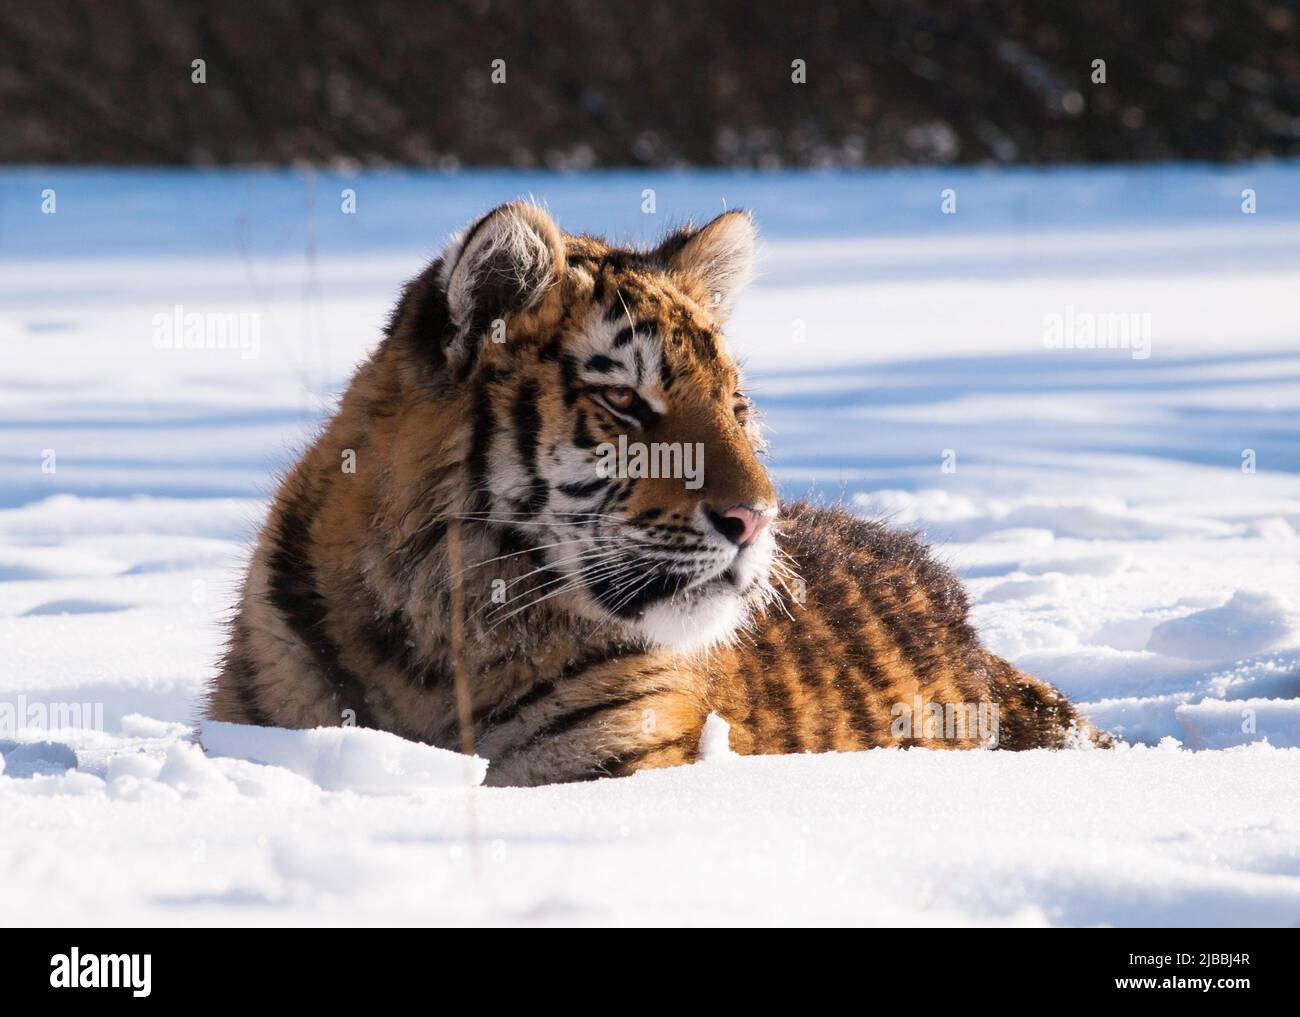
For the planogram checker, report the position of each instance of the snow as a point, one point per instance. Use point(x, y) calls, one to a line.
point(715, 740)
point(1141, 836)
point(31, 758)
point(1250, 622)
point(345, 758)
point(1126, 527)
point(1223, 723)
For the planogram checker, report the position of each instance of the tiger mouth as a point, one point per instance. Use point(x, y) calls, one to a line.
point(681, 589)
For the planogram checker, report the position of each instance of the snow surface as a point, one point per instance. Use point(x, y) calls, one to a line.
point(1093, 501)
point(345, 758)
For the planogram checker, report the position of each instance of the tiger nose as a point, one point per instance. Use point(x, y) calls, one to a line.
point(740, 524)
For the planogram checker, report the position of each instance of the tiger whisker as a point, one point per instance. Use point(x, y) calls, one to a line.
point(610, 562)
point(623, 601)
point(604, 554)
point(538, 547)
point(607, 557)
point(576, 582)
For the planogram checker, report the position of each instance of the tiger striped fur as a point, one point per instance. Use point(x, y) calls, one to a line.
point(602, 618)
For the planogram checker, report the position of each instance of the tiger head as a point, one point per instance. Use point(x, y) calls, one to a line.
point(611, 439)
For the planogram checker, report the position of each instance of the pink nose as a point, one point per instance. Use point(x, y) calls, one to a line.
point(742, 524)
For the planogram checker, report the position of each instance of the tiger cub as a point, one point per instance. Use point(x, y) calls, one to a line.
point(544, 489)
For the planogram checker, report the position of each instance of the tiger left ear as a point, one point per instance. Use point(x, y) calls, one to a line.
point(718, 259)
point(505, 263)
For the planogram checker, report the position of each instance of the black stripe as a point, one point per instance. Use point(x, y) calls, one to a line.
point(581, 438)
point(551, 351)
point(617, 309)
point(769, 691)
point(481, 442)
point(538, 495)
point(665, 372)
point(602, 364)
point(567, 722)
point(528, 427)
point(778, 697)
point(624, 336)
point(498, 715)
point(855, 704)
point(812, 677)
point(617, 766)
point(617, 493)
point(389, 639)
point(528, 423)
point(845, 614)
point(585, 489)
point(539, 691)
point(569, 379)
point(421, 319)
point(887, 602)
point(294, 594)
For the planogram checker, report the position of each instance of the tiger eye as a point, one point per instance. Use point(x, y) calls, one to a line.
point(620, 397)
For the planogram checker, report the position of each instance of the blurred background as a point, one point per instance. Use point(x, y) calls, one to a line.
point(666, 84)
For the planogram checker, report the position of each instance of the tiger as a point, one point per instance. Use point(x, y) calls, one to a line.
point(468, 556)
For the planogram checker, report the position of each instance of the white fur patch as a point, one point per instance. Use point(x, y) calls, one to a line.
point(712, 615)
point(696, 625)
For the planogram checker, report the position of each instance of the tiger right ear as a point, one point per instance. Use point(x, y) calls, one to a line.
point(717, 259)
point(503, 264)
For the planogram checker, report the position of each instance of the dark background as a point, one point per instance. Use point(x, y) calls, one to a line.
point(682, 82)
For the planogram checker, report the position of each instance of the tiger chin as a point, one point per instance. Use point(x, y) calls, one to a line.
point(458, 521)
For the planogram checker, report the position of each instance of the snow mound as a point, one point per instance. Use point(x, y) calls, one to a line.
point(32, 759)
point(1223, 724)
point(135, 725)
point(715, 740)
point(346, 758)
point(1271, 676)
point(1251, 621)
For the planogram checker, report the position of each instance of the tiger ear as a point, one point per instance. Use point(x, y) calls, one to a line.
point(717, 258)
point(503, 264)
